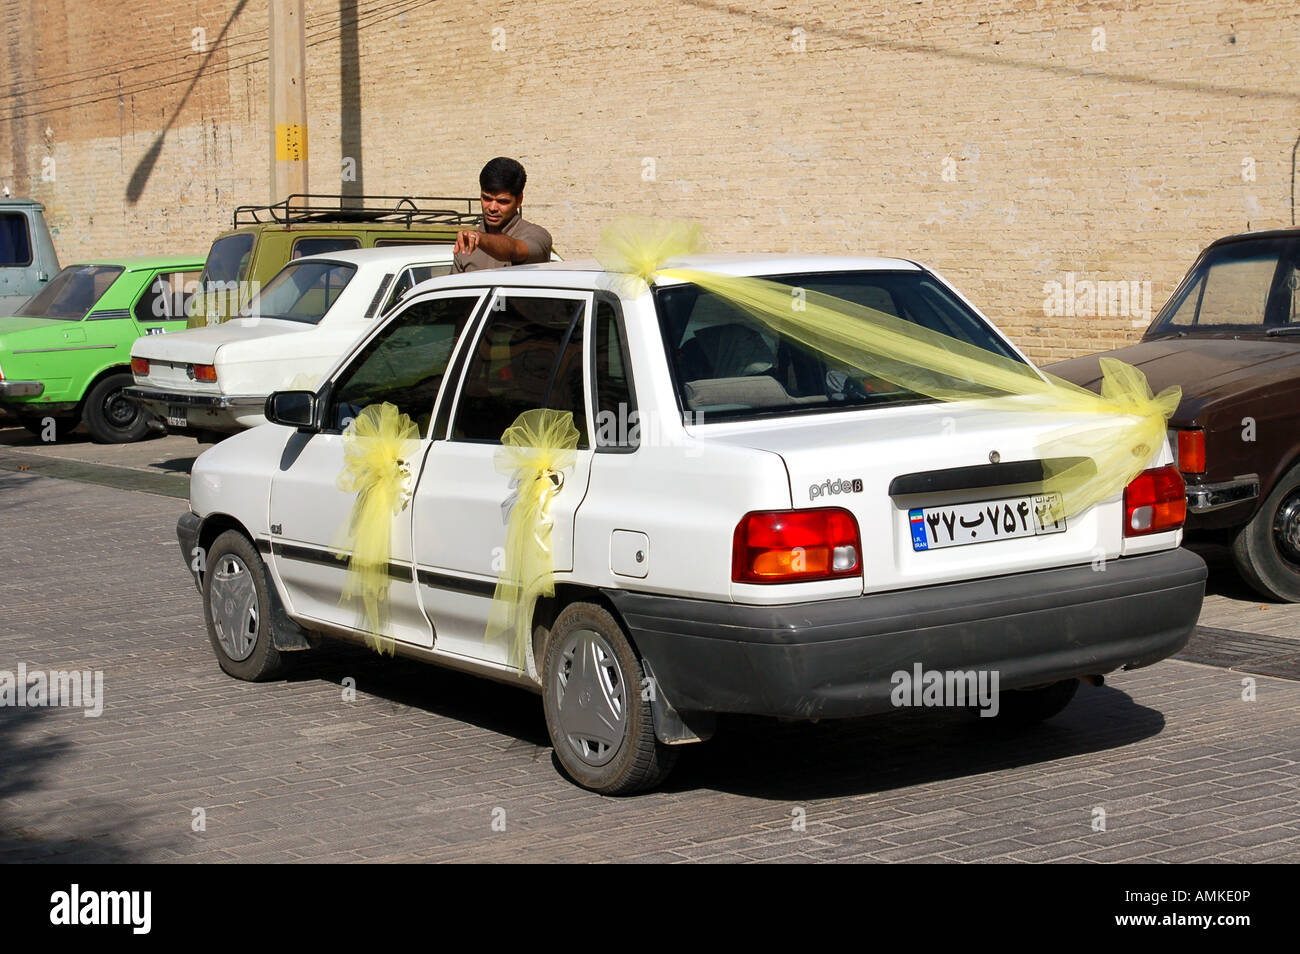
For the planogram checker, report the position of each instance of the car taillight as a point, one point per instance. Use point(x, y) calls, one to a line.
point(794, 546)
point(1191, 451)
point(205, 372)
point(140, 366)
point(1155, 501)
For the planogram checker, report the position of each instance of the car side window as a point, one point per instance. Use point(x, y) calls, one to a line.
point(529, 355)
point(617, 421)
point(167, 297)
point(409, 278)
point(15, 239)
point(321, 245)
point(404, 364)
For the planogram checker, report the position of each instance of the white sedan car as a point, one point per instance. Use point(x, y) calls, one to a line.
point(215, 380)
point(747, 527)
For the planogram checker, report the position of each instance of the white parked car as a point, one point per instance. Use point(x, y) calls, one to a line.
point(677, 597)
point(216, 379)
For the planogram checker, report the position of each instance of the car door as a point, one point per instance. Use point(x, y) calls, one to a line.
point(404, 363)
point(529, 352)
point(162, 306)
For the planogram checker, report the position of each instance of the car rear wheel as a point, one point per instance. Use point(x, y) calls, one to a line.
point(110, 417)
point(237, 609)
point(1267, 550)
point(598, 716)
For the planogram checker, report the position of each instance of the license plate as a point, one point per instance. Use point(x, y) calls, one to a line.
point(176, 416)
point(934, 528)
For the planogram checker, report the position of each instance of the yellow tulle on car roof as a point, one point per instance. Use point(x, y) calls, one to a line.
point(379, 447)
point(535, 452)
point(1085, 462)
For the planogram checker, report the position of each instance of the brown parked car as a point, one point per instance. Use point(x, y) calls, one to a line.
point(1230, 336)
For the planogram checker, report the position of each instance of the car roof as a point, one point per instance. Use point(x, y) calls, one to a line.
point(140, 262)
point(1292, 232)
point(588, 273)
point(394, 256)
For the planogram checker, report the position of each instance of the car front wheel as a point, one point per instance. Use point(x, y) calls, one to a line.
point(110, 417)
point(237, 609)
point(597, 713)
point(1267, 550)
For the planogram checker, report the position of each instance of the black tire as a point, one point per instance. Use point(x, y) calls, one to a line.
point(1023, 707)
point(634, 759)
point(111, 418)
point(63, 426)
point(233, 564)
point(1266, 551)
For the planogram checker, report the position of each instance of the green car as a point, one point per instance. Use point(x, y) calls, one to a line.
point(65, 355)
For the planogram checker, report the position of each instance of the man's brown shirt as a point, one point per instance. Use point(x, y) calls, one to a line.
point(535, 237)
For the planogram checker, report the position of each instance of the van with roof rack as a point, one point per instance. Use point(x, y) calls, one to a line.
point(264, 238)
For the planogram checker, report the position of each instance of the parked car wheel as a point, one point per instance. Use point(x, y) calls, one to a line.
point(237, 609)
point(1021, 707)
point(1267, 550)
point(110, 417)
point(600, 725)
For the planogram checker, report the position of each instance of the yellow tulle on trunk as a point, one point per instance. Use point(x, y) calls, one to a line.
point(535, 452)
point(1086, 461)
point(379, 448)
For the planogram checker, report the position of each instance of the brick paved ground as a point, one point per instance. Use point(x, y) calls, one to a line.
point(416, 767)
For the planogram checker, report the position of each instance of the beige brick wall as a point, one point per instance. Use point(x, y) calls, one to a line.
point(1114, 164)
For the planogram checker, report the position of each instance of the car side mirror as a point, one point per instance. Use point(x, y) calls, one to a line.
point(292, 409)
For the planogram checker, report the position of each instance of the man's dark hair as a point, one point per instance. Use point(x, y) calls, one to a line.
point(503, 175)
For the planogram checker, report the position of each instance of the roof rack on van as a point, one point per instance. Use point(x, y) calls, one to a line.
point(401, 209)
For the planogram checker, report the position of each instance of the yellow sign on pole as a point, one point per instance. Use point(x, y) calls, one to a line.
point(291, 142)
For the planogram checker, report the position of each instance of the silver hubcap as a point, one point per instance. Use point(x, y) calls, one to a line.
point(1286, 529)
point(233, 604)
point(591, 697)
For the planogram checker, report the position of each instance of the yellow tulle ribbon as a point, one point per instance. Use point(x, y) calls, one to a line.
point(535, 452)
point(379, 447)
point(1085, 462)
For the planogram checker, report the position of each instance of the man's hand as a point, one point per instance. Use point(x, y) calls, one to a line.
point(499, 246)
point(466, 241)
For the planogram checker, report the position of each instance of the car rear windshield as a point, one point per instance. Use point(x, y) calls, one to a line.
point(1246, 287)
point(303, 291)
point(228, 259)
point(728, 365)
point(72, 292)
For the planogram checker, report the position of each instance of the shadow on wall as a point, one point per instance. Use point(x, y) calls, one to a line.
point(144, 168)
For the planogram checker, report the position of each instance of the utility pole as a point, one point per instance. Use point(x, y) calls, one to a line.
point(288, 68)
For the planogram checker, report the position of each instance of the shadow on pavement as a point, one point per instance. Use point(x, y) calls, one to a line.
point(1224, 580)
point(403, 682)
point(767, 758)
point(94, 827)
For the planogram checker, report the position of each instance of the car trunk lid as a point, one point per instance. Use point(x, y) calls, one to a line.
point(970, 472)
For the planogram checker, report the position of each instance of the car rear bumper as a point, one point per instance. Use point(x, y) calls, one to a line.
point(10, 389)
point(1206, 498)
point(219, 412)
point(838, 658)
